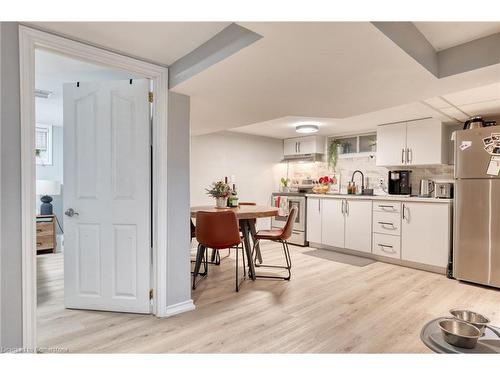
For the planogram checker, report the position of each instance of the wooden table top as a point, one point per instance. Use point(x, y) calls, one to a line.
point(242, 212)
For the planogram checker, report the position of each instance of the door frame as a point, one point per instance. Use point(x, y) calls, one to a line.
point(29, 40)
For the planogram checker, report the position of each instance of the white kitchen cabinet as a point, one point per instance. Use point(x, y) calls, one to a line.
point(425, 233)
point(391, 144)
point(412, 143)
point(313, 229)
point(424, 142)
point(304, 145)
point(332, 222)
point(290, 147)
point(358, 225)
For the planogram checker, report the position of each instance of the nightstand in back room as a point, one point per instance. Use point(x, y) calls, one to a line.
point(46, 233)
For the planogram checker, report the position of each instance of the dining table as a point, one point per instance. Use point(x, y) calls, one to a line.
point(246, 215)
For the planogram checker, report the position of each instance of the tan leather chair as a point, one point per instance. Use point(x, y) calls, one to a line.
point(281, 236)
point(215, 258)
point(216, 230)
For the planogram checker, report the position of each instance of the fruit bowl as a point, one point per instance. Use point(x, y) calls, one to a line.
point(321, 189)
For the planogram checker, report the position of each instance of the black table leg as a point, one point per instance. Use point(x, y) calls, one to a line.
point(245, 230)
point(253, 231)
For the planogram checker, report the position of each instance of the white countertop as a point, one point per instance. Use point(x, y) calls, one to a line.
point(401, 198)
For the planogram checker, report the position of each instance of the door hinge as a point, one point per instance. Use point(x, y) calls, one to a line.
point(150, 97)
point(150, 293)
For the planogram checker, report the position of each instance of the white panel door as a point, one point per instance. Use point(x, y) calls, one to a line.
point(391, 144)
point(424, 141)
point(358, 225)
point(425, 233)
point(313, 222)
point(332, 222)
point(107, 184)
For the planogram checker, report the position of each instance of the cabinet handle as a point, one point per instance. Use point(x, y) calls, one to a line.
point(296, 149)
point(382, 247)
point(319, 205)
point(299, 146)
point(404, 211)
point(402, 156)
point(347, 207)
point(383, 223)
point(411, 155)
point(383, 207)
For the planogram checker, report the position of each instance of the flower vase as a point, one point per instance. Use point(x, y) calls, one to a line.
point(221, 202)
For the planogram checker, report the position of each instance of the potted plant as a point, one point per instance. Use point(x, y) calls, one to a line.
point(333, 153)
point(220, 191)
point(284, 184)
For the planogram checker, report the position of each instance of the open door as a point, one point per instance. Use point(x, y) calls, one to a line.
point(107, 188)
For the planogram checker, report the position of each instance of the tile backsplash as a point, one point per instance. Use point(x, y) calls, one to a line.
point(373, 174)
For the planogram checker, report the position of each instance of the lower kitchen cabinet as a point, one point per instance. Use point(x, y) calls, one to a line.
point(313, 221)
point(332, 222)
point(415, 232)
point(358, 225)
point(425, 233)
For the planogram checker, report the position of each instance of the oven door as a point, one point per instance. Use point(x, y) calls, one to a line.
point(285, 203)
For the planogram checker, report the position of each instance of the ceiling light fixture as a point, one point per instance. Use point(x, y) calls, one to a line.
point(307, 128)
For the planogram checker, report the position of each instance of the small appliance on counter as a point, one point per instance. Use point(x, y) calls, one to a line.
point(399, 182)
point(426, 188)
point(443, 190)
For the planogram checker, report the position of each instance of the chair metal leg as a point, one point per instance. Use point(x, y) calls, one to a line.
point(288, 266)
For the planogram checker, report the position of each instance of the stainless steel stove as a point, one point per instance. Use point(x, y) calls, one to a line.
point(285, 201)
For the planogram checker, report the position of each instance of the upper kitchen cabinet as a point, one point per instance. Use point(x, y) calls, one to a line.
point(413, 143)
point(391, 144)
point(304, 146)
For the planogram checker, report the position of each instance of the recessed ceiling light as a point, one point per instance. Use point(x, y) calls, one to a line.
point(307, 128)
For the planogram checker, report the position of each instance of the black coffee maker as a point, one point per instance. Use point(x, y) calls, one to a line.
point(399, 182)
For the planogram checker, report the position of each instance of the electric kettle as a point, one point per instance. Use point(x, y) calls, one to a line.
point(474, 123)
point(426, 188)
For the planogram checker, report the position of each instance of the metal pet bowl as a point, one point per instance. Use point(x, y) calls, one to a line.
point(477, 320)
point(459, 333)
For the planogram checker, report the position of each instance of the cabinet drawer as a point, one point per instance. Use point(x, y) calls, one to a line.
point(44, 242)
point(386, 245)
point(387, 222)
point(387, 206)
point(44, 229)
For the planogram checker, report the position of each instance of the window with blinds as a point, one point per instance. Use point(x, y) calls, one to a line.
point(43, 144)
point(42, 138)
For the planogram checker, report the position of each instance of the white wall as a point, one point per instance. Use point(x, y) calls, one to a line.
point(178, 230)
point(253, 161)
point(10, 247)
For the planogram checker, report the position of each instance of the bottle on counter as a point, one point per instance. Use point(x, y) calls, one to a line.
point(233, 198)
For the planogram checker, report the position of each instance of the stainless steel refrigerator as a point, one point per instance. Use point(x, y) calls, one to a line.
point(476, 248)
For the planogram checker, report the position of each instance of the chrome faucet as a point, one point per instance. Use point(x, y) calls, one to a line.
point(362, 179)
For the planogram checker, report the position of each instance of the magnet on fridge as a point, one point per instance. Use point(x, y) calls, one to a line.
point(465, 145)
point(494, 166)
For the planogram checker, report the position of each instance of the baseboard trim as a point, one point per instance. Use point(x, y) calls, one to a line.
point(179, 308)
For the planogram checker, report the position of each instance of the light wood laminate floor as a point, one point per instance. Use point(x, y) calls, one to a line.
point(327, 307)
